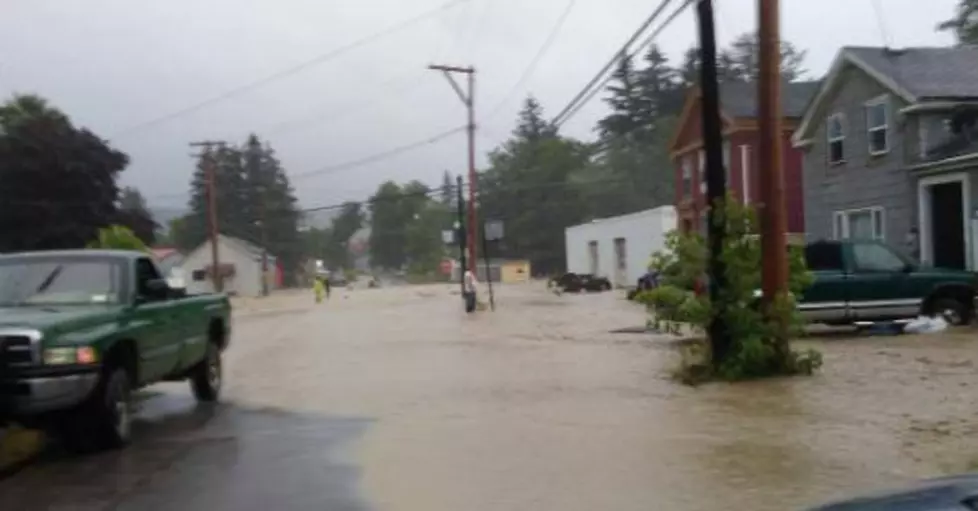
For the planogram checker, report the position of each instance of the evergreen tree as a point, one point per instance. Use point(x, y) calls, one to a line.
point(964, 24)
point(740, 59)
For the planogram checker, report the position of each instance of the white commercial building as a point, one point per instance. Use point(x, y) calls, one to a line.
point(619, 248)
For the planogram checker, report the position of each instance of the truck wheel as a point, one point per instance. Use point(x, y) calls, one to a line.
point(953, 311)
point(207, 376)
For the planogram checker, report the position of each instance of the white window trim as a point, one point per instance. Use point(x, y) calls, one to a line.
point(687, 177)
point(701, 171)
point(829, 139)
point(843, 215)
point(922, 133)
point(883, 100)
point(745, 171)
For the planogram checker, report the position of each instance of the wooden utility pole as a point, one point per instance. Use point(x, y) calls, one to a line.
point(716, 186)
point(772, 215)
point(210, 168)
point(468, 98)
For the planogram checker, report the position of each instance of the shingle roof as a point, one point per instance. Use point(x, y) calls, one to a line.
point(739, 99)
point(252, 249)
point(927, 73)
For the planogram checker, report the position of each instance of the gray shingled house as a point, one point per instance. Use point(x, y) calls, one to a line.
point(891, 149)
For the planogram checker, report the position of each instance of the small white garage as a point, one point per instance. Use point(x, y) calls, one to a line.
point(619, 248)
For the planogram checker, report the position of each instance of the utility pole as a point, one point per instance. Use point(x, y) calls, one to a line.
point(210, 168)
point(772, 215)
point(460, 230)
point(716, 187)
point(264, 250)
point(468, 98)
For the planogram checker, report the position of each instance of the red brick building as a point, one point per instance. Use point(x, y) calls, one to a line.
point(738, 108)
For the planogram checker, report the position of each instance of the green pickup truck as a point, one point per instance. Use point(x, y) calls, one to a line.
point(867, 281)
point(80, 330)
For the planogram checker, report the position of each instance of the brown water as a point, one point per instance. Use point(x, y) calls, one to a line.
point(537, 406)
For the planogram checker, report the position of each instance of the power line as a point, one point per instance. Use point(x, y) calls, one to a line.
point(645, 43)
point(237, 91)
point(528, 71)
point(557, 120)
point(881, 22)
point(331, 169)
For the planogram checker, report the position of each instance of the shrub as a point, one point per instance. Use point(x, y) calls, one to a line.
point(759, 342)
point(117, 237)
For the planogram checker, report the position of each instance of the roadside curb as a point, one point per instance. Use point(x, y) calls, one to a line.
point(18, 446)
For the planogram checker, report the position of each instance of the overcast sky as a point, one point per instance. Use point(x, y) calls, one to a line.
point(114, 64)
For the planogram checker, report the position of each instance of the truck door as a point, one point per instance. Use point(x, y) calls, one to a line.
point(159, 338)
point(827, 299)
point(880, 287)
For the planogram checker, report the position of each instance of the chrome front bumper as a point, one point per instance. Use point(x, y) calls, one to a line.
point(35, 395)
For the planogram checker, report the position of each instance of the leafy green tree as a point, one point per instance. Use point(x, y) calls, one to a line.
point(59, 180)
point(964, 24)
point(529, 186)
point(134, 214)
point(387, 227)
point(118, 237)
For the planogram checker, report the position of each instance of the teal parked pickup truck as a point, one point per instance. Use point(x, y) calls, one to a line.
point(80, 330)
point(868, 281)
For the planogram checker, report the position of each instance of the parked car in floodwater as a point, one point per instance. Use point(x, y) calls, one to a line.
point(578, 282)
point(868, 281)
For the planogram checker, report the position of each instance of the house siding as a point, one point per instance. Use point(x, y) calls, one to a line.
point(862, 180)
point(247, 278)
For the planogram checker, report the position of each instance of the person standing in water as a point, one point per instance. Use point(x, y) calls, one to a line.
point(318, 288)
point(470, 294)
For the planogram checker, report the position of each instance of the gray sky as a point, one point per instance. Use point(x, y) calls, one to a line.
point(112, 64)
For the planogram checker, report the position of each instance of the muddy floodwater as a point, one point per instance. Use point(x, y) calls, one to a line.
point(538, 406)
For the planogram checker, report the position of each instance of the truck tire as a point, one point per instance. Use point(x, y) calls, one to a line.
point(207, 375)
point(105, 420)
point(953, 311)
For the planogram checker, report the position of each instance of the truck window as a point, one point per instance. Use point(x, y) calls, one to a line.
point(824, 257)
point(145, 272)
point(872, 257)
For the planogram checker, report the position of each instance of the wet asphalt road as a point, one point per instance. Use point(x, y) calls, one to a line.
point(393, 399)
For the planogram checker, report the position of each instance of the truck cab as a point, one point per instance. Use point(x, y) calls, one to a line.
point(868, 281)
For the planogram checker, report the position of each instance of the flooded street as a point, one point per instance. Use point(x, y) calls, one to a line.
point(393, 399)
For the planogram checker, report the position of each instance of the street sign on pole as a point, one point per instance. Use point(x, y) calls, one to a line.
point(494, 230)
point(448, 236)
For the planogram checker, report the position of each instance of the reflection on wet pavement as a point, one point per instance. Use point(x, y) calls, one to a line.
point(394, 399)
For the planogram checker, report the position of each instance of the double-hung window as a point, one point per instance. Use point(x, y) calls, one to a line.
point(862, 224)
point(878, 125)
point(836, 138)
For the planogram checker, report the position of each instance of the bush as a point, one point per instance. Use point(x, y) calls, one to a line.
point(117, 237)
point(759, 342)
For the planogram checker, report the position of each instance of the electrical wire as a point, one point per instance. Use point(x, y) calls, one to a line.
point(557, 120)
point(331, 169)
point(645, 43)
point(881, 22)
point(243, 89)
point(531, 67)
